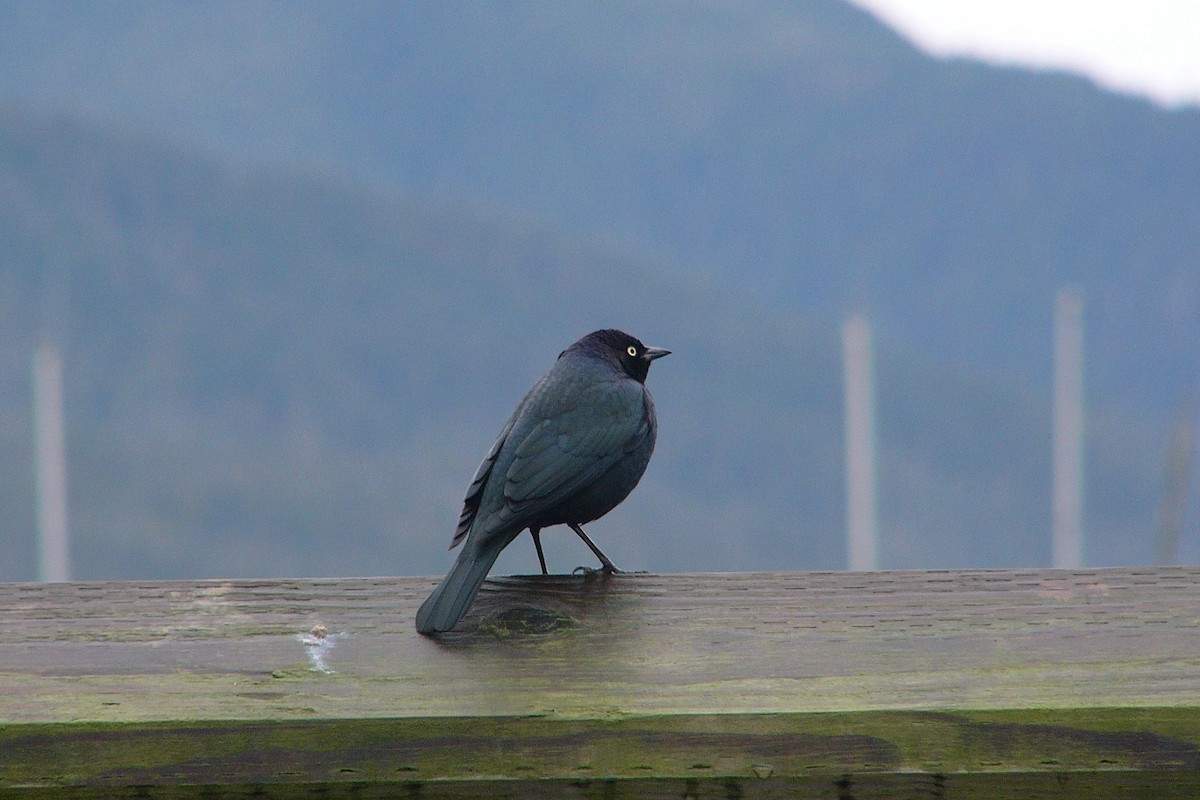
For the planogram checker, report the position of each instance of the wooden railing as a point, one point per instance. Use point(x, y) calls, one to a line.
point(1014, 683)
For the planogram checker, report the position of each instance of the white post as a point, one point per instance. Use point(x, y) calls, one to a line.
point(1067, 505)
point(50, 458)
point(862, 544)
point(1177, 478)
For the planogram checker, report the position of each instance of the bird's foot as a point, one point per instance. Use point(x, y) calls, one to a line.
point(587, 572)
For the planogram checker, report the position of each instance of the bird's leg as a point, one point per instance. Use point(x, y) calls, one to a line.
point(609, 566)
point(536, 533)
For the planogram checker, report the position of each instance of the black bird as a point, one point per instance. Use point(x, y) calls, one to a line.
point(573, 449)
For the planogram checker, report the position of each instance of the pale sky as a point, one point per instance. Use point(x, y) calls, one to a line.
point(1145, 47)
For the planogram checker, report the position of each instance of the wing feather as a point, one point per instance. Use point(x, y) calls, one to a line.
point(575, 446)
point(475, 491)
point(560, 438)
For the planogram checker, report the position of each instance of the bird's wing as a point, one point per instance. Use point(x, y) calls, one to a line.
point(475, 490)
point(580, 436)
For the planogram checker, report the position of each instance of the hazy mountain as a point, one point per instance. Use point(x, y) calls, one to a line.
point(800, 147)
point(305, 258)
point(279, 374)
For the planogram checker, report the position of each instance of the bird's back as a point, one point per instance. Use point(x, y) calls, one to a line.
point(577, 446)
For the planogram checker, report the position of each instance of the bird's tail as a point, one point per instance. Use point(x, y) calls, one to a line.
point(442, 610)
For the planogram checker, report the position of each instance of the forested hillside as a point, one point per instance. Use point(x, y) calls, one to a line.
point(277, 374)
point(303, 260)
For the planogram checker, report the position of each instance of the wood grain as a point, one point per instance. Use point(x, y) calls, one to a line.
point(629, 685)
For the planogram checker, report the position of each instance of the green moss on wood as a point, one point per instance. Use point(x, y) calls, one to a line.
point(505, 748)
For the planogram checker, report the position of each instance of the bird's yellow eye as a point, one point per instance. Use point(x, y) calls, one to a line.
point(631, 350)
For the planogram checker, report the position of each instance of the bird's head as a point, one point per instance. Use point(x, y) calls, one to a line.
point(619, 348)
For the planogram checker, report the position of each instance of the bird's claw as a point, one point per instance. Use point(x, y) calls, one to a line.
point(588, 572)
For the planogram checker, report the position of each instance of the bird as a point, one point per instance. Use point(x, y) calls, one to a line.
point(575, 446)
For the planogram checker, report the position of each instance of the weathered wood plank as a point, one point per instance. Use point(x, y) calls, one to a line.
point(635, 685)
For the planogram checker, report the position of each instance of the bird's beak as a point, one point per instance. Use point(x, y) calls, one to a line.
point(655, 352)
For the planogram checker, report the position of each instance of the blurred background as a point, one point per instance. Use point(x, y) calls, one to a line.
point(300, 260)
